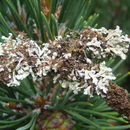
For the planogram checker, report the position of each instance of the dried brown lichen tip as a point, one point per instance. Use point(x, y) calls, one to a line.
point(119, 99)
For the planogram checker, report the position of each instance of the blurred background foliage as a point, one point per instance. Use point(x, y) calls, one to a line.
point(113, 13)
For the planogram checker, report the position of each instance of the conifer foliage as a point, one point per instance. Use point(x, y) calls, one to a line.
point(57, 71)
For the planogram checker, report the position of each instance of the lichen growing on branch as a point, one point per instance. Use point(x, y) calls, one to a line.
point(76, 61)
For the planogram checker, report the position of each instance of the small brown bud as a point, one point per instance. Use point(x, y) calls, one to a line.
point(12, 105)
point(39, 101)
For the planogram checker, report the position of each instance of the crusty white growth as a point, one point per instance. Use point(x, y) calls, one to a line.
point(97, 79)
point(72, 62)
point(114, 42)
point(22, 57)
